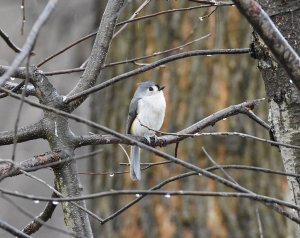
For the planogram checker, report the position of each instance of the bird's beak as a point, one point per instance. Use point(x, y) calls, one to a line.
point(161, 88)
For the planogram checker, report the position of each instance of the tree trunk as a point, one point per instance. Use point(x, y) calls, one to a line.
point(283, 96)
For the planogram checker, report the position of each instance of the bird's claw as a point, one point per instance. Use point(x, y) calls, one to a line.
point(150, 138)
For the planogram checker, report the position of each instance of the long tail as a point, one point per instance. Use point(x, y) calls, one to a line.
point(135, 171)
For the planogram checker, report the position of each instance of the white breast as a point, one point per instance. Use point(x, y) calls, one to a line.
point(151, 113)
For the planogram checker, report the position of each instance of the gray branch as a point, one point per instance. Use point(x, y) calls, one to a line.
point(26, 133)
point(100, 49)
point(18, 88)
point(12, 230)
point(18, 72)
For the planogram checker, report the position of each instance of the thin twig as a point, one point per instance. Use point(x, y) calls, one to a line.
point(23, 17)
point(143, 5)
point(174, 10)
point(66, 48)
point(20, 109)
point(11, 45)
point(257, 119)
point(259, 224)
point(243, 135)
point(30, 41)
point(215, 164)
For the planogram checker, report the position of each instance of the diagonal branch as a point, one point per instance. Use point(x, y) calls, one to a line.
point(9, 42)
point(42, 218)
point(100, 49)
point(12, 230)
point(39, 220)
point(272, 37)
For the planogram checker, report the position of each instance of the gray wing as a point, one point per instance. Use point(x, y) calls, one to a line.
point(133, 107)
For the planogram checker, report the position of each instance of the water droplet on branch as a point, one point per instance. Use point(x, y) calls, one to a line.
point(55, 202)
point(167, 195)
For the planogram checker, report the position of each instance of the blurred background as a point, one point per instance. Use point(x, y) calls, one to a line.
point(195, 88)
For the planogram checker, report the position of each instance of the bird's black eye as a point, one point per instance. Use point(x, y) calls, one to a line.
point(150, 89)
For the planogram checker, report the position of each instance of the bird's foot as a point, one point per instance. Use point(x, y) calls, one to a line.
point(150, 138)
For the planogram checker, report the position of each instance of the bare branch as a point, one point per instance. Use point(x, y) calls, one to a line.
point(26, 133)
point(143, 5)
point(9, 42)
point(26, 81)
point(23, 17)
point(248, 136)
point(258, 120)
point(18, 88)
point(42, 218)
point(65, 48)
point(30, 41)
point(215, 164)
point(261, 235)
point(30, 164)
point(100, 48)
point(39, 220)
point(272, 37)
point(12, 230)
point(153, 65)
point(217, 4)
point(46, 160)
point(18, 73)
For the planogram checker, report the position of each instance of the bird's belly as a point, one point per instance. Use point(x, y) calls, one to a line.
point(148, 119)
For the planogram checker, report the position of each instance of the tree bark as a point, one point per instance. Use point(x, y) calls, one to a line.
point(283, 95)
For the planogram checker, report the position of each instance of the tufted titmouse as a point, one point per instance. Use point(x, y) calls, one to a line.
point(147, 109)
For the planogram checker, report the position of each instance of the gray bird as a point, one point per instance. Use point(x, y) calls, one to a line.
point(146, 110)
